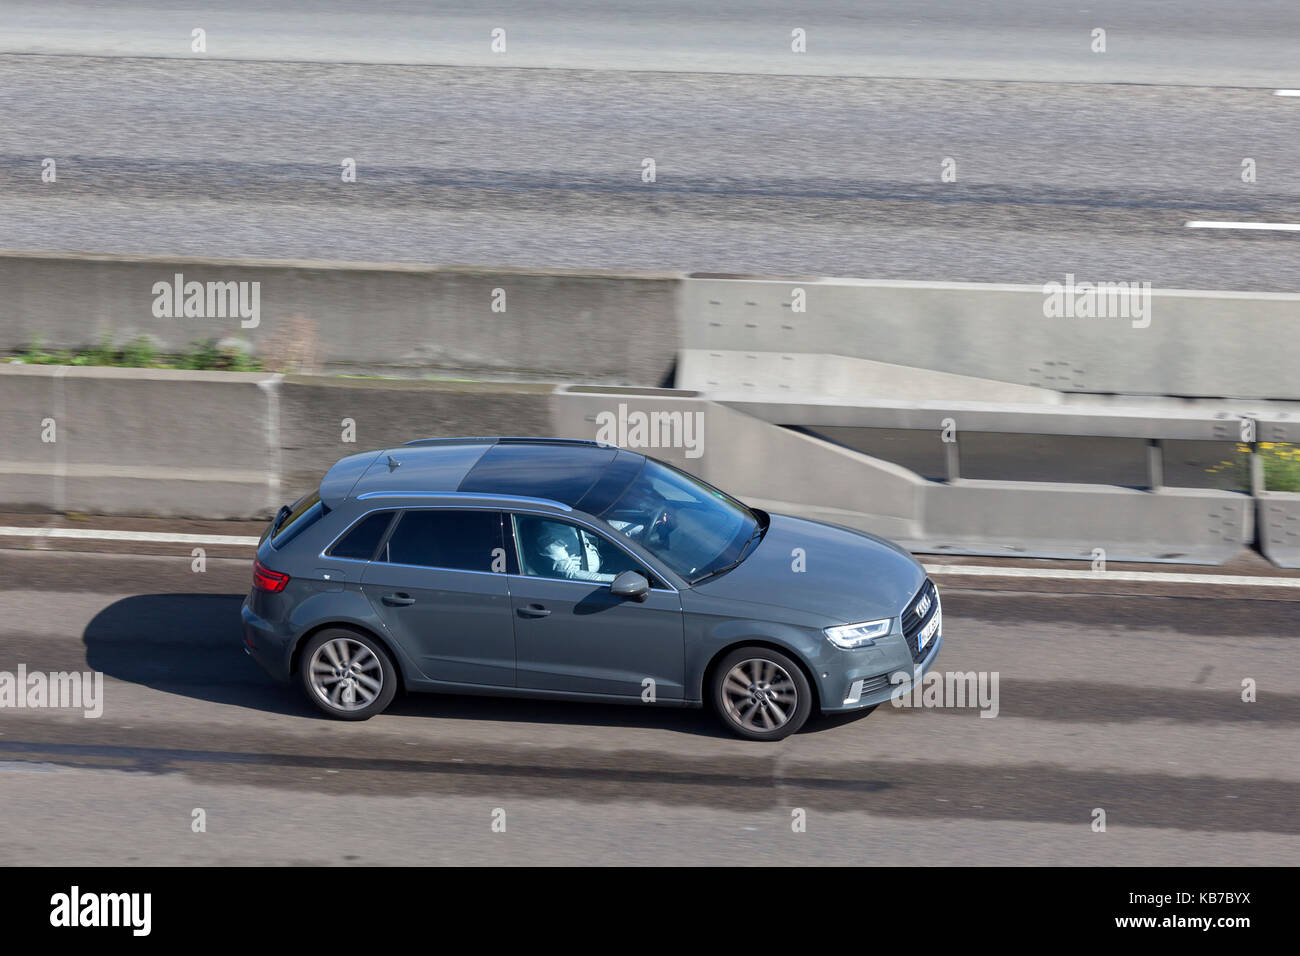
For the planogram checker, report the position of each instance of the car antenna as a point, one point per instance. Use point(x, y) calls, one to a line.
point(393, 463)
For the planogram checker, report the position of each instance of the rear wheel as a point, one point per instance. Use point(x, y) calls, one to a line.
point(347, 674)
point(761, 694)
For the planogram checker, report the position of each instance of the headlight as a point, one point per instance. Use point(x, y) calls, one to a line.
point(855, 635)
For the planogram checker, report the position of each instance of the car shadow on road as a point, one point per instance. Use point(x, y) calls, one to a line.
point(524, 711)
point(191, 645)
point(186, 644)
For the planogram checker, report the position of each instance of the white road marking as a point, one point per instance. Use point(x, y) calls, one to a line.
point(1144, 577)
point(1286, 92)
point(104, 534)
point(1267, 226)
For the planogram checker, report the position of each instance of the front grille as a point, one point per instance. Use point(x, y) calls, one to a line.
point(866, 687)
point(873, 684)
point(913, 623)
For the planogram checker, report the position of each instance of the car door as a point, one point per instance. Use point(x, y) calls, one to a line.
point(438, 583)
point(571, 633)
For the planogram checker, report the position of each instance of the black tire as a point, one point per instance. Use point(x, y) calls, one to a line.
point(746, 716)
point(325, 691)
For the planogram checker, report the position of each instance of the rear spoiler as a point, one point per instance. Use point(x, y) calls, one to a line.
point(280, 515)
point(274, 526)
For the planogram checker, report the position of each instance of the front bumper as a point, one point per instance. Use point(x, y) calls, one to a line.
point(879, 683)
point(872, 674)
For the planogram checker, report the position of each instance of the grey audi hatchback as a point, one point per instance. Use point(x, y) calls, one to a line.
point(576, 570)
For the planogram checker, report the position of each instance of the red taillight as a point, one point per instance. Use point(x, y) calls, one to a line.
point(264, 579)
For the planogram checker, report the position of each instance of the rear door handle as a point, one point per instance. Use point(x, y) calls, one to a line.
point(533, 610)
point(398, 600)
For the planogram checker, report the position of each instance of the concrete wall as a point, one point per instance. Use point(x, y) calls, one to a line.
point(1083, 439)
point(1279, 527)
point(784, 470)
point(210, 444)
point(557, 325)
point(137, 441)
point(765, 465)
point(218, 444)
point(1231, 344)
point(314, 408)
point(1051, 520)
point(629, 328)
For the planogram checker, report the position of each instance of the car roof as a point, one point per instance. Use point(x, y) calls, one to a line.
point(579, 474)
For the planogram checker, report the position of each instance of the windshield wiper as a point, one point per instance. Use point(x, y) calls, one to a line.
point(758, 533)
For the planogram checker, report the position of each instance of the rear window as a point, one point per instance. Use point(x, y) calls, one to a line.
point(362, 540)
point(459, 540)
point(303, 513)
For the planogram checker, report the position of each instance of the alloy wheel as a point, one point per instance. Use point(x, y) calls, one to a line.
point(759, 695)
point(346, 674)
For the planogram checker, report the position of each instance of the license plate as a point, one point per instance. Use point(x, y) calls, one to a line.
point(930, 630)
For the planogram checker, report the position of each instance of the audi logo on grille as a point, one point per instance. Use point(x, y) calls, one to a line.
point(923, 607)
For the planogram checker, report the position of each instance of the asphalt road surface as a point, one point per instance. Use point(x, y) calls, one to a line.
point(1130, 704)
point(774, 163)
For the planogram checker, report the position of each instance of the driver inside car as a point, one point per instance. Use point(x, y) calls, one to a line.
point(566, 552)
point(642, 515)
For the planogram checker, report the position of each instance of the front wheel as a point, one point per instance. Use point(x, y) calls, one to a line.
point(761, 694)
point(347, 674)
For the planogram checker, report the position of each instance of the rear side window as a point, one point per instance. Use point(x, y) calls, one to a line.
point(363, 538)
point(303, 513)
point(459, 540)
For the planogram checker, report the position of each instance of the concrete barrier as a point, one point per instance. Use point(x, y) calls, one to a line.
point(789, 471)
point(137, 441)
point(1083, 440)
point(1279, 527)
point(767, 466)
point(218, 444)
point(398, 319)
point(1057, 520)
point(1226, 344)
point(905, 339)
point(316, 413)
point(234, 445)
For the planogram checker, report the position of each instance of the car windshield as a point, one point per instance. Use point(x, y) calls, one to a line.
point(692, 527)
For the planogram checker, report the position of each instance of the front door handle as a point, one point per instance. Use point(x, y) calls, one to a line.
point(533, 610)
point(398, 600)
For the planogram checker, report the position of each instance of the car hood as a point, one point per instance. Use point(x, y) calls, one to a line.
point(847, 576)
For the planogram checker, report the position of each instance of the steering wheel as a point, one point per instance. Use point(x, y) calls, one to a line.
point(661, 527)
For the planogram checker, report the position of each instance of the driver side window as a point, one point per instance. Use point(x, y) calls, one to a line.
point(551, 548)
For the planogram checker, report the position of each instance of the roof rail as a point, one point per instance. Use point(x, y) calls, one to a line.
point(449, 441)
point(511, 440)
point(553, 441)
point(465, 495)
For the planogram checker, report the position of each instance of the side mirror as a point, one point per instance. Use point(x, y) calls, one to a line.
point(631, 585)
